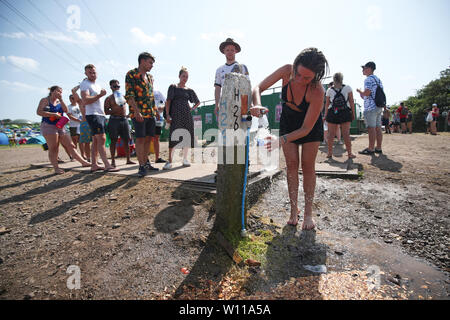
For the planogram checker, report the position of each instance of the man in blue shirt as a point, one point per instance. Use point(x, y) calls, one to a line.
point(372, 113)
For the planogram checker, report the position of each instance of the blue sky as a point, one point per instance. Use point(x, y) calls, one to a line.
point(48, 42)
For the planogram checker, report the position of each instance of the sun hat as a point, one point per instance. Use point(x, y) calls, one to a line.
point(228, 42)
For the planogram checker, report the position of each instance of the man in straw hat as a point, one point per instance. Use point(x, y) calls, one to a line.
point(229, 48)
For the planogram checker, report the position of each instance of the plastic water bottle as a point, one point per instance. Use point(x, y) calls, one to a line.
point(120, 100)
point(260, 142)
point(160, 106)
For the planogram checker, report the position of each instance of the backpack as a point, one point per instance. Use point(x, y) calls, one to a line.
point(404, 111)
point(339, 101)
point(380, 97)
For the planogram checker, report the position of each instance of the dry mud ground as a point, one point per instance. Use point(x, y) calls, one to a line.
point(130, 237)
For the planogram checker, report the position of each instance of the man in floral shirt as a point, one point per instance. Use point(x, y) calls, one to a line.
point(140, 98)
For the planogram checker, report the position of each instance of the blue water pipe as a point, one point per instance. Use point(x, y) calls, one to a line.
point(243, 231)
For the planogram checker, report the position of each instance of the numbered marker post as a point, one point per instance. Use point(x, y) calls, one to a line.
point(234, 103)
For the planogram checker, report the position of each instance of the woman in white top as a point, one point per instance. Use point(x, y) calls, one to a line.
point(339, 110)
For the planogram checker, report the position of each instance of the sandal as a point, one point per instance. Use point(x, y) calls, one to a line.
point(112, 169)
point(378, 151)
point(366, 151)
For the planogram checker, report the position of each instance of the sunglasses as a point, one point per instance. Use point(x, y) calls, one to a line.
point(116, 87)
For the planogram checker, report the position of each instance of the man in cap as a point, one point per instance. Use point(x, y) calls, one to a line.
point(372, 113)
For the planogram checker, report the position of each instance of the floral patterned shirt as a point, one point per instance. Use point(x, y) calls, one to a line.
point(135, 87)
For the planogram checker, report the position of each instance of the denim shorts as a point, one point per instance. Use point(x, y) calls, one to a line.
point(372, 118)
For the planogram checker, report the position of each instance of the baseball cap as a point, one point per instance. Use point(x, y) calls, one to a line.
point(370, 65)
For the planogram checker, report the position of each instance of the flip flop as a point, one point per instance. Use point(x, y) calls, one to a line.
point(112, 170)
point(97, 169)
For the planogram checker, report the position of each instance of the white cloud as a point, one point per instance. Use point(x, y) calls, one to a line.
point(21, 87)
point(141, 37)
point(21, 62)
point(80, 37)
point(222, 35)
point(74, 37)
point(87, 37)
point(374, 18)
point(13, 35)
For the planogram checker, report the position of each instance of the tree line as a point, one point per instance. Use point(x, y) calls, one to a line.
point(437, 91)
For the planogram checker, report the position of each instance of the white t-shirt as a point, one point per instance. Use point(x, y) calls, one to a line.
point(76, 112)
point(93, 90)
point(227, 68)
point(345, 91)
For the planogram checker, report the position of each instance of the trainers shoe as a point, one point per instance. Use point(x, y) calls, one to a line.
point(378, 150)
point(160, 161)
point(151, 168)
point(167, 166)
point(142, 171)
point(186, 163)
point(147, 165)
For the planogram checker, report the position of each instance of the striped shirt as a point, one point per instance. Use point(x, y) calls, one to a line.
point(371, 83)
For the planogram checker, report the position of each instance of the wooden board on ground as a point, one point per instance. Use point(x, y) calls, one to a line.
point(336, 169)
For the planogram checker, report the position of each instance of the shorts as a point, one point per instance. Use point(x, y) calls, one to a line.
point(118, 127)
point(145, 128)
point(342, 116)
point(435, 118)
point(385, 122)
point(402, 120)
point(85, 132)
point(158, 131)
point(49, 129)
point(372, 118)
point(74, 131)
point(96, 123)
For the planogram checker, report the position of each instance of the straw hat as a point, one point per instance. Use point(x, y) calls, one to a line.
point(227, 42)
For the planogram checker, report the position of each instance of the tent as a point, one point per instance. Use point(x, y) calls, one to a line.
point(4, 141)
point(36, 140)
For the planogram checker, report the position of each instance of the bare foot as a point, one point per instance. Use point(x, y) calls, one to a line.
point(293, 220)
point(308, 223)
point(351, 156)
point(59, 171)
point(130, 162)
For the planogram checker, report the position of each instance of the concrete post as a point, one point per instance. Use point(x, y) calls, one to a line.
point(234, 104)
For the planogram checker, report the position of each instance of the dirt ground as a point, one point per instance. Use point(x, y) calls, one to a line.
point(131, 237)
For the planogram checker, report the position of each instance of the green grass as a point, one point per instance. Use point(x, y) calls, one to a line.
point(252, 247)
